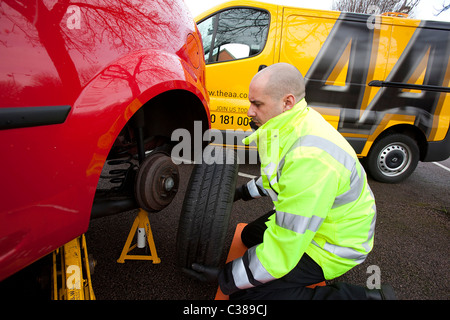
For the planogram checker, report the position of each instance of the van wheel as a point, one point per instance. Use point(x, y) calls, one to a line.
point(206, 209)
point(393, 158)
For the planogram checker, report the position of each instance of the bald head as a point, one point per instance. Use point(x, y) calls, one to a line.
point(274, 90)
point(281, 79)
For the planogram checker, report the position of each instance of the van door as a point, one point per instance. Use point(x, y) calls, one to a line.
point(339, 54)
point(417, 78)
point(237, 41)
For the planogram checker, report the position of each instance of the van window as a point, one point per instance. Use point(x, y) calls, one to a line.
point(234, 34)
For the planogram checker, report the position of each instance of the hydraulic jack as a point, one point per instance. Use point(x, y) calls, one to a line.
point(141, 224)
point(71, 272)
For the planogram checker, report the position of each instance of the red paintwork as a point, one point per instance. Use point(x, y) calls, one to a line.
point(106, 70)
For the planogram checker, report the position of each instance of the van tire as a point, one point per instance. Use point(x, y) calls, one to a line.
point(206, 210)
point(393, 158)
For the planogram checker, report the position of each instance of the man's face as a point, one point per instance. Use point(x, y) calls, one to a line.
point(262, 106)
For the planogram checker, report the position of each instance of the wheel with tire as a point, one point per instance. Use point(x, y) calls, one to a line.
point(392, 158)
point(206, 209)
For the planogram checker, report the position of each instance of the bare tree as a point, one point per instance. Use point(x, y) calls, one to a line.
point(376, 6)
point(445, 7)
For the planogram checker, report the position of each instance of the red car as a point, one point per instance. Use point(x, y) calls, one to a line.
point(81, 85)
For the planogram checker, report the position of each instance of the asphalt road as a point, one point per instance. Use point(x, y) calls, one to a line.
point(411, 242)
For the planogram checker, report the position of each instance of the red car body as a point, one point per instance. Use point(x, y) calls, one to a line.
point(71, 78)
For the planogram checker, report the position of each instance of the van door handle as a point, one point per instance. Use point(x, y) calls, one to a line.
point(398, 85)
point(261, 67)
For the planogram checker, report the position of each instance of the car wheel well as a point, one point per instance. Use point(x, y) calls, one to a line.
point(154, 121)
point(410, 131)
point(159, 117)
point(172, 110)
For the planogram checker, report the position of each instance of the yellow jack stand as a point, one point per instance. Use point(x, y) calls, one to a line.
point(144, 233)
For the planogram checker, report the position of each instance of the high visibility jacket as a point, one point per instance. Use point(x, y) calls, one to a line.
point(323, 204)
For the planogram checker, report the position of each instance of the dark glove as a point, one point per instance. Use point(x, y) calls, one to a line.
point(242, 193)
point(203, 273)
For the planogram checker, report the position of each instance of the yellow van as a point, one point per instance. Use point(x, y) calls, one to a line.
point(380, 80)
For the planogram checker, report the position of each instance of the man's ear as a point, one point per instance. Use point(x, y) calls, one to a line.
point(289, 102)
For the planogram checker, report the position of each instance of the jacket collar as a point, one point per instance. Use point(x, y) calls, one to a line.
point(279, 122)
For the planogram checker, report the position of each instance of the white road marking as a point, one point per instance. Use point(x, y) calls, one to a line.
point(246, 175)
point(442, 166)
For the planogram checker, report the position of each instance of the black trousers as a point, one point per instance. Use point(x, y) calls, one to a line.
point(293, 285)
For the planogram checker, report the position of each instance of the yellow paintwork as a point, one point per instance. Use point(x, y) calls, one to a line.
point(388, 121)
point(227, 83)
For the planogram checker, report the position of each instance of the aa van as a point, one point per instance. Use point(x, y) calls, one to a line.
point(380, 80)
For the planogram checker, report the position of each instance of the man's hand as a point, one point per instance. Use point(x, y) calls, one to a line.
point(203, 273)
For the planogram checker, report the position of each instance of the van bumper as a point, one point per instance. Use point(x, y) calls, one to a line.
point(438, 150)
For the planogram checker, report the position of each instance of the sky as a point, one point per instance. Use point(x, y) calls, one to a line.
point(425, 10)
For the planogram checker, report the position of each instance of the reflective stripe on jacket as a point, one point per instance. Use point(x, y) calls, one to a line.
point(323, 203)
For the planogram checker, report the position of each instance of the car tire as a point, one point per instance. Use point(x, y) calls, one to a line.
point(206, 209)
point(393, 158)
